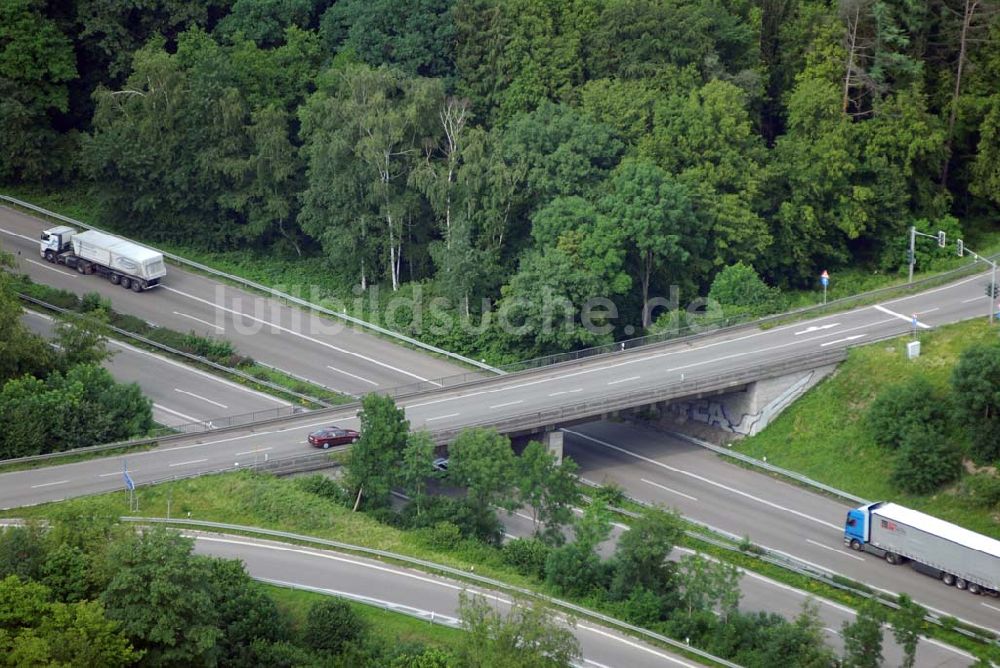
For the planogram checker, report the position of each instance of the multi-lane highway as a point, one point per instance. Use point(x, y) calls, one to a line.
point(181, 395)
point(320, 350)
point(657, 468)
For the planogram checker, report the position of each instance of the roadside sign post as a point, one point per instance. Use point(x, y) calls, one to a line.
point(824, 278)
point(914, 322)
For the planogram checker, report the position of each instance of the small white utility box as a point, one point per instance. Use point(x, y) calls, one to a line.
point(913, 350)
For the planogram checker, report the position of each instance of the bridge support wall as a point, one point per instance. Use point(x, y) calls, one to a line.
point(747, 411)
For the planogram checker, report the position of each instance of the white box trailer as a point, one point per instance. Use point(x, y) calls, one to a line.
point(119, 260)
point(938, 548)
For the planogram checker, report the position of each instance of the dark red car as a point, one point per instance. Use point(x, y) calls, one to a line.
point(330, 436)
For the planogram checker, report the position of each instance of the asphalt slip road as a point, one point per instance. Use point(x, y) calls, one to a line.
point(182, 396)
point(323, 351)
point(339, 574)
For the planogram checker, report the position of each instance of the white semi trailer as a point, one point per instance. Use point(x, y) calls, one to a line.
point(951, 553)
point(119, 260)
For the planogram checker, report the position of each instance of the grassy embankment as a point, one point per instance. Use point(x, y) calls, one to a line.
point(823, 434)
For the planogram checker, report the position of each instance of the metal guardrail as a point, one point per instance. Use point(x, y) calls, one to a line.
point(534, 419)
point(271, 291)
point(790, 563)
point(566, 606)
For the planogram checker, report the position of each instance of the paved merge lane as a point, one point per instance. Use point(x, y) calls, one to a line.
point(181, 395)
point(340, 573)
point(323, 351)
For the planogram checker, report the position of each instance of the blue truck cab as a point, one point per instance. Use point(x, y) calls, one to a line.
point(856, 527)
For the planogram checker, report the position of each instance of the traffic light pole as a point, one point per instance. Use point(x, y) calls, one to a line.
point(913, 250)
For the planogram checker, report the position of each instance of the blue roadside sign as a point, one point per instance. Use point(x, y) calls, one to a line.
point(129, 484)
point(824, 278)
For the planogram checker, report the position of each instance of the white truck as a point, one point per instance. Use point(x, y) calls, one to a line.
point(119, 260)
point(951, 553)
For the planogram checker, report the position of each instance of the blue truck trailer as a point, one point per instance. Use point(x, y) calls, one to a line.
point(953, 554)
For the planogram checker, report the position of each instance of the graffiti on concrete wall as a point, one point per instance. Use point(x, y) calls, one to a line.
point(716, 412)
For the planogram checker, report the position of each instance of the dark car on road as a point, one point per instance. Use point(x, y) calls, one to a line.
point(330, 436)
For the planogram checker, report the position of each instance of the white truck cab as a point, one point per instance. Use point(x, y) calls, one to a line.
point(55, 240)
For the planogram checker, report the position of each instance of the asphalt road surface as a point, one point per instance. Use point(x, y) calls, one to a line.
point(760, 593)
point(657, 468)
point(341, 573)
point(181, 395)
point(323, 351)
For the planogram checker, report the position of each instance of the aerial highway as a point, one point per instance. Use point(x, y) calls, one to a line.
point(182, 396)
point(780, 516)
point(323, 351)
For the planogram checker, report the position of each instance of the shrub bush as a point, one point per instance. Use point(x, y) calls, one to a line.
point(440, 536)
point(527, 555)
point(913, 405)
point(926, 460)
point(981, 490)
point(331, 625)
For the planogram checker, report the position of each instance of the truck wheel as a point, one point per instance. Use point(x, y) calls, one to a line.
point(126, 282)
point(961, 584)
point(891, 558)
point(975, 588)
point(856, 544)
point(948, 579)
point(50, 256)
point(80, 268)
point(136, 285)
point(115, 279)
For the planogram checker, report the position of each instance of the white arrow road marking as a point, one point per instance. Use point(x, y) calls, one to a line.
point(816, 328)
point(846, 338)
point(900, 316)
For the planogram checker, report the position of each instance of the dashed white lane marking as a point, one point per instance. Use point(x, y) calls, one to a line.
point(293, 332)
point(348, 373)
point(177, 413)
point(204, 322)
point(623, 380)
point(509, 403)
point(556, 394)
point(703, 479)
point(992, 607)
point(816, 328)
point(50, 484)
point(879, 307)
point(15, 234)
point(253, 452)
point(108, 475)
point(665, 488)
point(199, 372)
point(198, 396)
point(843, 340)
point(975, 299)
point(193, 461)
point(833, 549)
point(442, 417)
point(50, 268)
point(635, 645)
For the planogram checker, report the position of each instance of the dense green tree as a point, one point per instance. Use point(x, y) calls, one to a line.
point(640, 559)
point(82, 338)
point(657, 221)
point(36, 62)
point(863, 636)
point(418, 36)
point(416, 466)
point(927, 459)
point(245, 614)
point(265, 21)
point(907, 624)
point(913, 405)
point(370, 472)
point(706, 138)
point(548, 488)
point(21, 352)
point(708, 585)
point(975, 380)
point(526, 635)
point(162, 596)
point(331, 625)
point(576, 568)
point(740, 290)
point(483, 462)
point(35, 631)
point(23, 551)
